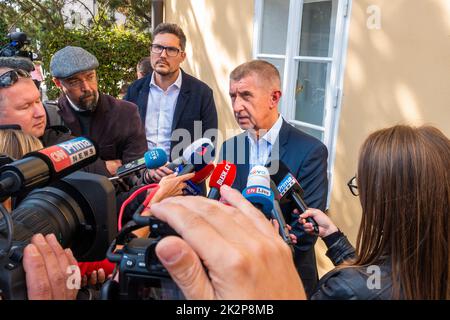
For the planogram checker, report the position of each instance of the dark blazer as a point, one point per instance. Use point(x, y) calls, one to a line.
point(195, 103)
point(306, 158)
point(115, 127)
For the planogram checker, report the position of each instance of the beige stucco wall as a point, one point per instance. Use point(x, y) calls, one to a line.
point(219, 37)
point(398, 74)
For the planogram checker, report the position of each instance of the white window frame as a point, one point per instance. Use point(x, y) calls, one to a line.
point(334, 85)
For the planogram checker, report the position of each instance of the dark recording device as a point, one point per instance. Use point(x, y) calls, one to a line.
point(141, 274)
point(76, 208)
point(13, 49)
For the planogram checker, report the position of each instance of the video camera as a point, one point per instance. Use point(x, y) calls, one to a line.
point(13, 49)
point(78, 207)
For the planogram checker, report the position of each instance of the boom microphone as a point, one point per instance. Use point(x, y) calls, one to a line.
point(225, 173)
point(290, 190)
point(39, 168)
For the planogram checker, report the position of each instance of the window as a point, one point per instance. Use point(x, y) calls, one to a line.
point(306, 40)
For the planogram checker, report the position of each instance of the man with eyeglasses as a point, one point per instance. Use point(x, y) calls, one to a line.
point(113, 124)
point(170, 99)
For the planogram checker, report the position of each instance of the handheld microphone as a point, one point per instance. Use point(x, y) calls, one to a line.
point(201, 146)
point(197, 156)
point(192, 186)
point(277, 214)
point(225, 173)
point(39, 168)
point(154, 158)
point(258, 190)
point(290, 190)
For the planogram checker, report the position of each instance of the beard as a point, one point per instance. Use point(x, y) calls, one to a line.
point(88, 101)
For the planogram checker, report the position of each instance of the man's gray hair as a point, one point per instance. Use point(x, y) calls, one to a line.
point(264, 70)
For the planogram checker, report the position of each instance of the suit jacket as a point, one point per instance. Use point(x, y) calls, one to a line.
point(195, 103)
point(115, 127)
point(306, 158)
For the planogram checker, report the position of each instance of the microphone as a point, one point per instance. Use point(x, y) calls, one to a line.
point(192, 187)
point(258, 190)
point(196, 156)
point(277, 214)
point(39, 168)
point(198, 146)
point(260, 194)
point(154, 158)
point(290, 190)
point(225, 173)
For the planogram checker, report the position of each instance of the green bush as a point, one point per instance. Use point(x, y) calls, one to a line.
point(3, 33)
point(117, 50)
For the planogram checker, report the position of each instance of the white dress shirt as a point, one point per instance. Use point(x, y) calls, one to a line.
point(261, 148)
point(160, 110)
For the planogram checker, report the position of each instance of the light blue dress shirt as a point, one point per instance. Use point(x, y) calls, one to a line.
point(261, 148)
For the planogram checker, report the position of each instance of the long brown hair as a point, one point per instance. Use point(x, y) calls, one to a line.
point(404, 186)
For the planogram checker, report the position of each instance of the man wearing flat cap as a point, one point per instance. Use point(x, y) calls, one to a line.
point(113, 124)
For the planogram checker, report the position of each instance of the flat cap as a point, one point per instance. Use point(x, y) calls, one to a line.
point(71, 60)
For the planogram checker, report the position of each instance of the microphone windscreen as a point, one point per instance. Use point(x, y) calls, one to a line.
point(155, 158)
point(203, 174)
point(259, 176)
point(225, 173)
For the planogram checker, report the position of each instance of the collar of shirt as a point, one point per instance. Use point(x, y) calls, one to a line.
point(176, 84)
point(261, 148)
point(271, 135)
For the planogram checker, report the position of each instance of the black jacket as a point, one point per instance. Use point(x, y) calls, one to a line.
point(353, 283)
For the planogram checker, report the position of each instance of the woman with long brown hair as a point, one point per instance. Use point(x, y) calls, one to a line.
point(402, 250)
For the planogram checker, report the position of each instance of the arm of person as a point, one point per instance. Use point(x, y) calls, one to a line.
point(169, 186)
point(135, 142)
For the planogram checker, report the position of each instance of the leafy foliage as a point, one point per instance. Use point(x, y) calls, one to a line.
point(118, 48)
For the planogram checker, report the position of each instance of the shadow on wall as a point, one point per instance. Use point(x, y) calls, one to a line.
point(218, 41)
point(398, 74)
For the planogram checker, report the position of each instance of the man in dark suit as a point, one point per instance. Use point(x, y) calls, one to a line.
point(255, 93)
point(175, 107)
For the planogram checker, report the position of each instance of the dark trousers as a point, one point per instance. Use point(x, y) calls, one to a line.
point(305, 262)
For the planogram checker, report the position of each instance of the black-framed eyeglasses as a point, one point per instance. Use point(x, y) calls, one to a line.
point(170, 51)
point(10, 77)
point(353, 186)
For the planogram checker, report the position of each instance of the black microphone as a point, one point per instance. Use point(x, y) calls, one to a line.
point(153, 158)
point(290, 189)
point(277, 214)
point(39, 168)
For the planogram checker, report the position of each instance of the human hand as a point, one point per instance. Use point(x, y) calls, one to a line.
point(48, 269)
point(96, 278)
point(112, 166)
point(326, 225)
point(276, 227)
point(157, 174)
point(244, 256)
